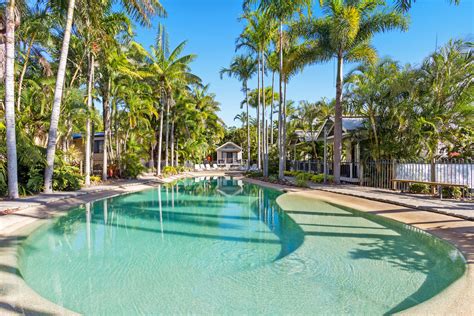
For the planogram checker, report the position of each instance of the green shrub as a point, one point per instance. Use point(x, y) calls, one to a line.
point(273, 178)
point(302, 180)
point(452, 192)
point(66, 178)
point(419, 188)
point(131, 165)
point(169, 171)
point(254, 174)
point(96, 179)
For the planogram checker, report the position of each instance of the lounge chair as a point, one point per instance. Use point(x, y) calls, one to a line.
point(253, 168)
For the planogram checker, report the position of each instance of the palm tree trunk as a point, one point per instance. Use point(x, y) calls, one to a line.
point(283, 122)
point(271, 108)
point(259, 157)
point(248, 124)
point(12, 167)
point(23, 71)
point(88, 153)
point(58, 93)
point(281, 154)
point(177, 155)
point(337, 151)
point(172, 143)
point(167, 130)
point(160, 140)
point(106, 118)
point(264, 129)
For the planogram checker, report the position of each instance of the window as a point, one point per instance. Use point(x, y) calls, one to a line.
point(98, 146)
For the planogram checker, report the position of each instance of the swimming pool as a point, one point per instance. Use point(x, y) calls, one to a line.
point(224, 246)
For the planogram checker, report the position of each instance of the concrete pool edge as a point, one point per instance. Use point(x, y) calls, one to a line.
point(17, 298)
point(454, 300)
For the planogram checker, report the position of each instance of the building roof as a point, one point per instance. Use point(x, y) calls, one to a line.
point(79, 135)
point(229, 144)
point(350, 125)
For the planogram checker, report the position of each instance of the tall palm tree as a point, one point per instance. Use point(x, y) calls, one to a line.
point(243, 68)
point(345, 33)
point(167, 71)
point(10, 99)
point(283, 11)
point(142, 11)
point(257, 36)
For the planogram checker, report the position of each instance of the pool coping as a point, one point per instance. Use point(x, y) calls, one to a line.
point(456, 299)
point(16, 297)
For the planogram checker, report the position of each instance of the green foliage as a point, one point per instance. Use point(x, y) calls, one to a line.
point(66, 178)
point(169, 171)
point(419, 188)
point(132, 165)
point(301, 180)
point(452, 192)
point(254, 174)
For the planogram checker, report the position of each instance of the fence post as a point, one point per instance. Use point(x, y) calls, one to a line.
point(394, 174)
point(433, 175)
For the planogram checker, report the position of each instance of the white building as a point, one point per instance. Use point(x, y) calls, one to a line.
point(229, 155)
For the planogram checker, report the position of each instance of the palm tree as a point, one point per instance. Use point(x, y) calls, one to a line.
point(243, 68)
point(10, 99)
point(405, 5)
point(283, 11)
point(257, 36)
point(345, 33)
point(140, 11)
point(168, 71)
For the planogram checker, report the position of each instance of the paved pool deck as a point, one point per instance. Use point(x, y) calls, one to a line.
point(17, 298)
point(462, 209)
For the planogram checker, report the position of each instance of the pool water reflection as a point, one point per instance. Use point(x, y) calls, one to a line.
point(223, 246)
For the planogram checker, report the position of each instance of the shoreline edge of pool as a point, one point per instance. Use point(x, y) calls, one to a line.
point(18, 297)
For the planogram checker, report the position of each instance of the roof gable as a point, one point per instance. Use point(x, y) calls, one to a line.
point(229, 144)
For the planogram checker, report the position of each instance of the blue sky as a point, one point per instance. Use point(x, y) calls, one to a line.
point(211, 27)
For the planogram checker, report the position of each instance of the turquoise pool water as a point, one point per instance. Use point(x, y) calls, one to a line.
point(220, 246)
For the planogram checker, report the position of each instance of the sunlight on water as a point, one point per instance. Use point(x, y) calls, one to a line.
point(221, 246)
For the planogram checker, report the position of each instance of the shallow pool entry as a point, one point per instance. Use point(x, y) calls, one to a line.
point(223, 246)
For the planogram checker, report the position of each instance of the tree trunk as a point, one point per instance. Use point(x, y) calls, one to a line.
point(281, 154)
point(167, 130)
point(106, 118)
point(172, 143)
point(264, 128)
point(248, 125)
point(88, 142)
point(58, 93)
point(160, 140)
point(337, 151)
point(283, 123)
point(271, 108)
point(177, 155)
point(259, 157)
point(12, 167)
point(23, 72)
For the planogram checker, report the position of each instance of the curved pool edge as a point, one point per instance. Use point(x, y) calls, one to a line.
point(16, 297)
point(455, 299)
